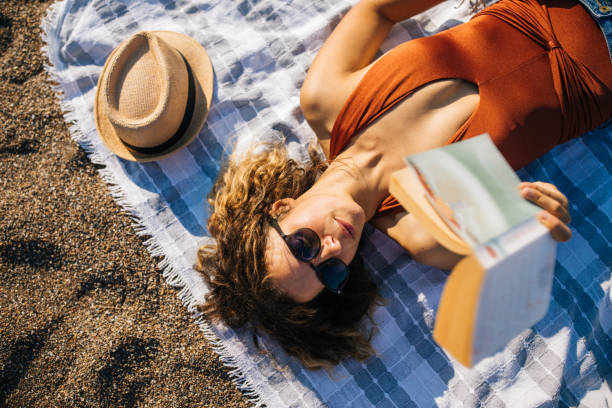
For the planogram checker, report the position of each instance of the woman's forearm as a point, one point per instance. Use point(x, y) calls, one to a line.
point(414, 238)
point(356, 39)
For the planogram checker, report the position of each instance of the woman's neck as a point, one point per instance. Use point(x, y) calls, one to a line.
point(360, 176)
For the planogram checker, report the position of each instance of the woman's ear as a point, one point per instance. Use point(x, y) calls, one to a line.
point(280, 207)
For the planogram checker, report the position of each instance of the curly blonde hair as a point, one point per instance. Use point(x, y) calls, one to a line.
point(320, 332)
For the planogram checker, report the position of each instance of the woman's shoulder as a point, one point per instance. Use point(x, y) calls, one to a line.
point(323, 96)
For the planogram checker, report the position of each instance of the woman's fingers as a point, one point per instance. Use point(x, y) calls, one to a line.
point(556, 208)
point(559, 230)
point(548, 197)
point(552, 191)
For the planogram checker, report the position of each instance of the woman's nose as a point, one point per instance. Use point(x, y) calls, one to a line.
point(331, 248)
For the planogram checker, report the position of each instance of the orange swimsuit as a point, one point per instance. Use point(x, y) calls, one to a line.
point(543, 73)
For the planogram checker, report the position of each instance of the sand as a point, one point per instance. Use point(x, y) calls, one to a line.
point(86, 319)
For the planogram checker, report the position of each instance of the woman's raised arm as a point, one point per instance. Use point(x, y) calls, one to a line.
point(345, 56)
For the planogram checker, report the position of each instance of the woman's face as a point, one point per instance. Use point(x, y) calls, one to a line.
point(338, 221)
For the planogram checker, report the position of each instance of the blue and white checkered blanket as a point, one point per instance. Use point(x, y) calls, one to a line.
point(260, 51)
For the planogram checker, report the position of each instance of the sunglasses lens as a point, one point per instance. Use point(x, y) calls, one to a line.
point(304, 243)
point(333, 273)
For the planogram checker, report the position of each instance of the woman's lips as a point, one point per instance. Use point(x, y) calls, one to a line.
point(347, 229)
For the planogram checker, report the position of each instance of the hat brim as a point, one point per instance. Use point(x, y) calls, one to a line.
point(202, 70)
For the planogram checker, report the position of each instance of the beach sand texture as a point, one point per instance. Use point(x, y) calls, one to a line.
point(86, 319)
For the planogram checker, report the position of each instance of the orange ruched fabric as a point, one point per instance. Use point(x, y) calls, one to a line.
point(542, 69)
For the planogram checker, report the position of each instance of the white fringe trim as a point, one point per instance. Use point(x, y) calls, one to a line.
point(170, 270)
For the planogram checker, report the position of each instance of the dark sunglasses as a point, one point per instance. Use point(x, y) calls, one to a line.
point(305, 245)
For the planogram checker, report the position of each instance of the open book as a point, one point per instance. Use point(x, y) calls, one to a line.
point(467, 196)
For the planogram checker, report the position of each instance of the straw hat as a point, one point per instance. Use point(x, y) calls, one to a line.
point(153, 95)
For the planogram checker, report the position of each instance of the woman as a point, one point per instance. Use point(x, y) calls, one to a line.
point(519, 70)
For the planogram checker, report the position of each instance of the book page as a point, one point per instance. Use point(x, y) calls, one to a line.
point(473, 188)
point(516, 289)
point(410, 191)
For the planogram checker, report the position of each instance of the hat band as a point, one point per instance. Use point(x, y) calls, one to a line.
point(189, 109)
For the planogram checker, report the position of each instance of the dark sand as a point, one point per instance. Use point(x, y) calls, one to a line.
point(86, 319)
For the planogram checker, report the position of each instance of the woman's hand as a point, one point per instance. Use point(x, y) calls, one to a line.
point(556, 212)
